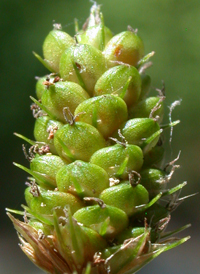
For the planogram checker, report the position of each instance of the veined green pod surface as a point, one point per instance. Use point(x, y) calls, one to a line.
point(48, 200)
point(122, 80)
point(145, 107)
point(61, 95)
point(44, 131)
point(43, 228)
point(154, 180)
point(108, 221)
point(40, 87)
point(55, 44)
point(126, 47)
point(119, 160)
point(78, 141)
point(96, 36)
point(83, 64)
point(125, 197)
point(106, 113)
point(82, 179)
point(45, 167)
point(137, 130)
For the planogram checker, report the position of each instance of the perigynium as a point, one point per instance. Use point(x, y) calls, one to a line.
point(98, 196)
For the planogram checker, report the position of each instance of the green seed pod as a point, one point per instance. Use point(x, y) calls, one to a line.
point(95, 32)
point(144, 108)
point(131, 232)
point(78, 141)
point(45, 129)
point(39, 226)
point(154, 157)
point(45, 168)
point(146, 85)
point(96, 36)
point(48, 200)
point(83, 64)
point(54, 45)
point(125, 197)
point(107, 252)
point(40, 87)
point(106, 113)
point(123, 80)
point(126, 47)
point(94, 242)
point(154, 180)
point(76, 243)
point(118, 160)
point(63, 94)
point(108, 221)
point(82, 179)
point(136, 130)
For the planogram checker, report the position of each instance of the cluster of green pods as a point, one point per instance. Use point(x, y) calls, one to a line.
point(104, 163)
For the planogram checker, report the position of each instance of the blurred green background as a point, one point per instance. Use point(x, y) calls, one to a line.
point(169, 27)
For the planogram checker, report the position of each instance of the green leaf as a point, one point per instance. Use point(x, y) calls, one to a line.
point(66, 150)
point(43, 108)
point(170, 233)
point(44, 62)
point(174, 189)
point(31, 142)
point(40, 178)
point(150, 142)
point(47, 219)
point(122, 167)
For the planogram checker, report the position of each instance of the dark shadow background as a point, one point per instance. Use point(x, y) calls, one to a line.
point(169, 27)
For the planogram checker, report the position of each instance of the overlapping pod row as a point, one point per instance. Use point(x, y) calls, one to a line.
point(98, 163)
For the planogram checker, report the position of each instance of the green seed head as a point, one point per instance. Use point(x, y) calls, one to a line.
point(97, 198)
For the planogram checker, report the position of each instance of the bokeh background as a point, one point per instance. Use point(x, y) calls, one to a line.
point(172, 29)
